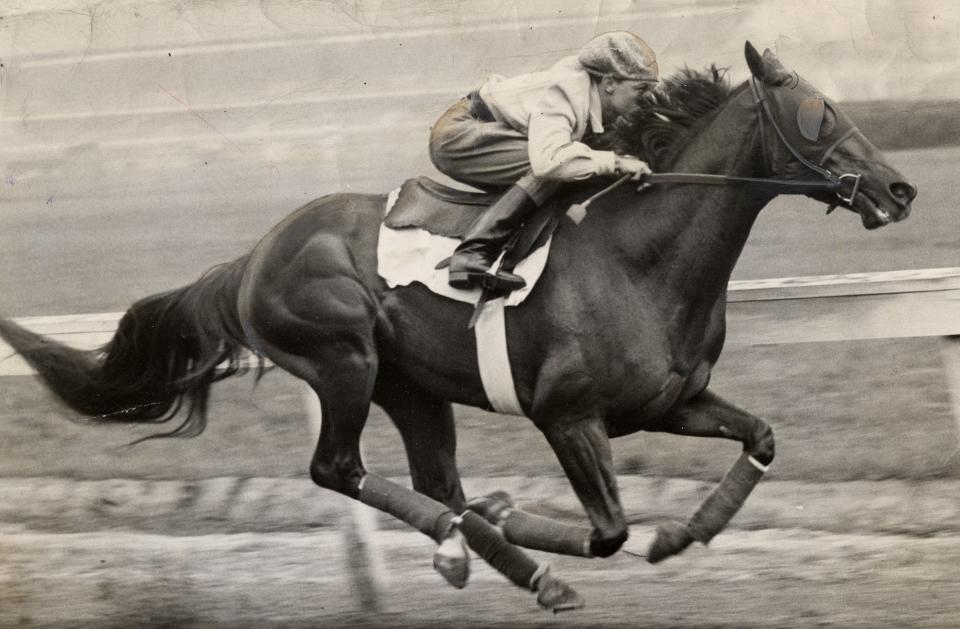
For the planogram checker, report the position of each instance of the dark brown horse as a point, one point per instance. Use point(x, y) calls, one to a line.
point(620, 334)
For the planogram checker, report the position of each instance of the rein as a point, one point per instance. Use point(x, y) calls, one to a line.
point(782, 186)
point(829, 182)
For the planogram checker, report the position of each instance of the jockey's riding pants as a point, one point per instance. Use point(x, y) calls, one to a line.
point(468, 144)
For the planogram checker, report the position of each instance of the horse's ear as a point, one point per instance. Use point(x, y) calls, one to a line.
point(776, 73)
point(767, 68)
point(754, 60)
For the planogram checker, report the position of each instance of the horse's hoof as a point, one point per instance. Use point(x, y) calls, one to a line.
point(452, 560)
point(491, 506)
point(672, 539)
point(556, 596)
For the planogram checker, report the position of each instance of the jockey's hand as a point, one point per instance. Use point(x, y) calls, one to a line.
point(624, 164)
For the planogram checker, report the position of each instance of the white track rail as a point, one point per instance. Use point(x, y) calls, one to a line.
point(822, 308)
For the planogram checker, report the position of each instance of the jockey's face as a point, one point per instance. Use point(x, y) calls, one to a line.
point(618, 96)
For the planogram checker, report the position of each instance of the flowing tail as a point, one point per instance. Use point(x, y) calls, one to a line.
point(168, 350)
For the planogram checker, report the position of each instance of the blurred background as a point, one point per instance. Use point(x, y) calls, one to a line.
point(144, 141)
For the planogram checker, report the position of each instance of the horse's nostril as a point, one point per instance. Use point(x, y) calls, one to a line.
point(902, 191)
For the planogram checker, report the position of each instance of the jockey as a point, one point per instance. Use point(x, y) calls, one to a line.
point(525, 134)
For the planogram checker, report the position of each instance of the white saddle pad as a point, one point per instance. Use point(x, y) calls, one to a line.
point(409, 255)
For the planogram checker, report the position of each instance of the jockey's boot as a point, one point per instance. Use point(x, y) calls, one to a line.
point(486, 237)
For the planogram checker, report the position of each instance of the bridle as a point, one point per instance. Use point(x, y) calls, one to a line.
point(833, 183)
point(828, 182)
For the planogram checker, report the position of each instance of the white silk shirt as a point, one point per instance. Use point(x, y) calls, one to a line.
point(554, 108)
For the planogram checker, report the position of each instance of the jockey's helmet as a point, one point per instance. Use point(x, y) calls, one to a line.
point(620, 54)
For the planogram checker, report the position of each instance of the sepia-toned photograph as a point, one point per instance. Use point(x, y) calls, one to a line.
point(426, 314)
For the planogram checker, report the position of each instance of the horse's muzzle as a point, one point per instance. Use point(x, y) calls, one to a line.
point(903, 195)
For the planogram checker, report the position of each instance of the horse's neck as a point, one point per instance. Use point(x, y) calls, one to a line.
point(698, 231)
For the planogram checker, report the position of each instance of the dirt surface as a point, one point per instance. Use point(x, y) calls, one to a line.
point(775, 578)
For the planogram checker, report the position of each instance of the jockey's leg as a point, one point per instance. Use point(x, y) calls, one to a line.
point(488, 154)
point(707, 415)
point(472, 260)
point(483, 153)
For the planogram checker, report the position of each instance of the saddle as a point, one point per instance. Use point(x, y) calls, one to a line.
point(445, 211)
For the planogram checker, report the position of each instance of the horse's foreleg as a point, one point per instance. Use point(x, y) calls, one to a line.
point(535, 532)
point(707, 415)
point(583, 449)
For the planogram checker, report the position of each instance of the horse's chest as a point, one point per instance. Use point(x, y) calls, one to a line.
point(649, 374)
point(657, 399)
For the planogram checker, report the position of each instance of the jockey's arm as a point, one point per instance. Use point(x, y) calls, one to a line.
point(554, 153)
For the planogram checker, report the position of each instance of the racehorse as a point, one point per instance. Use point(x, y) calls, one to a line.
point(619, 335)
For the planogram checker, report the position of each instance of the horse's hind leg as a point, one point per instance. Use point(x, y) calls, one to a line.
point(311, 314)
point(314, 318)
point(707, 415)
point(343, 376)
point(429, 438)
point(429, 435)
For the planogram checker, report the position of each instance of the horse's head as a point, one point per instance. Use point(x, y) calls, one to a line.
point(806, 133)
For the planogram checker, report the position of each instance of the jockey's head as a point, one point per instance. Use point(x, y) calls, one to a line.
point(624, 67)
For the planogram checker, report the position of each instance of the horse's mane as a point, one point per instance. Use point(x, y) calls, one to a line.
point(678, 110)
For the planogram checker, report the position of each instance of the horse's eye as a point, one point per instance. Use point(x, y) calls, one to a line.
point(810, 117)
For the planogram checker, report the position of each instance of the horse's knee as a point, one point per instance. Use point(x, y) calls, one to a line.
point(604, 544)
point(762, 444)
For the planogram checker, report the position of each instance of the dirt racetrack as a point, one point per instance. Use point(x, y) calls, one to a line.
point(768, 579)
point(259, 552)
